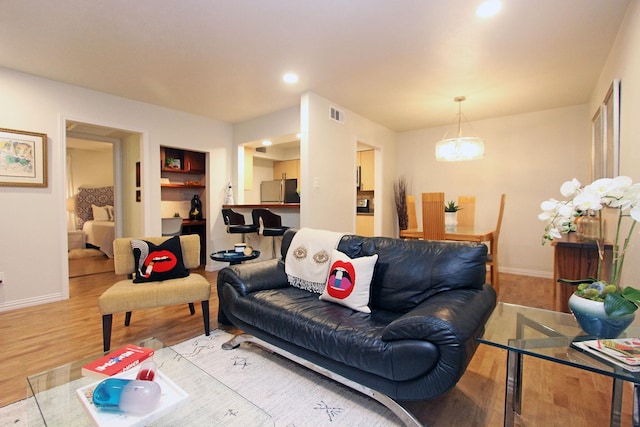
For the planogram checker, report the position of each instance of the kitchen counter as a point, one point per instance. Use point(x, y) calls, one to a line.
point(365, 213)
point(265, 205)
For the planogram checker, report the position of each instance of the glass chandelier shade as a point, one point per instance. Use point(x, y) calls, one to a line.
point(460, 148)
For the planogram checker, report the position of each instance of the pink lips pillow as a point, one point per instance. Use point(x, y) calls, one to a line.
point(349, 281)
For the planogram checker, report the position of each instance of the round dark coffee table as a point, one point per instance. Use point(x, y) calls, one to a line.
point(233, 257)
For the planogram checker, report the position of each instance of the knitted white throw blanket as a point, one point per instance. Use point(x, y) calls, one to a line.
point(308, 258)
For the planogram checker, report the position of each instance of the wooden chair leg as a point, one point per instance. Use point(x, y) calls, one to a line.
point(127, 318)
point(107, 320)
point(205, 317)
point(192, 308)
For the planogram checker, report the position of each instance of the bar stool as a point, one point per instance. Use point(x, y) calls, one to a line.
point(236, 225)
point(269, 224)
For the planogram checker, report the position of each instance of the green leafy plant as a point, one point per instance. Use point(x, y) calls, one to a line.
point(612, 193)
point(451, 207)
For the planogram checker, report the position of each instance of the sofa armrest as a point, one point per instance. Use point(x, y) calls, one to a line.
point(252, 277)
point(448, 316)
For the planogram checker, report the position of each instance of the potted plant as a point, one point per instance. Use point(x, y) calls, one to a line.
point(400, 199)
point(613, 304)
point(451, 215)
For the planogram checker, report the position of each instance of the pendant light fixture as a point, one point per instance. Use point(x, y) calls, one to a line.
point(460, 148)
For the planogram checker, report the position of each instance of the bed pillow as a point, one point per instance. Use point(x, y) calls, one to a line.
point(158, 262)
point(100, 213)
point(111, 212)
point(349, 281)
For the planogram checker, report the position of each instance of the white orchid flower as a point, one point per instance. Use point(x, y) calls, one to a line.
point(588, 200)
point(570, 188)
point(617, 193)
point(555, 233)
point(601, 186)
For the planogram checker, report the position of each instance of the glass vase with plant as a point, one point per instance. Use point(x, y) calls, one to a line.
point(451, 207)
point(619, 194)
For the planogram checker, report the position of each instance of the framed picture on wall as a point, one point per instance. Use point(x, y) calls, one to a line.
point(605, 127)
point(23, 158)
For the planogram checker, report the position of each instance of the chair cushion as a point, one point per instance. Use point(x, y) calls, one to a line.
point(158, 262)
point(128, 296)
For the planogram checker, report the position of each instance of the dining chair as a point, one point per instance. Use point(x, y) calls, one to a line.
point(467, 211)
point(492, 256)
point(411, 212)
point(433, 216)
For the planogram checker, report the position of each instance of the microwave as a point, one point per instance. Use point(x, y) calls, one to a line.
point(362, 206)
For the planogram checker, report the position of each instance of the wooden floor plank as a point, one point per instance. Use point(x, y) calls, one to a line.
point(38, 338)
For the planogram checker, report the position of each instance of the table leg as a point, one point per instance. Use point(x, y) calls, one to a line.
point(616, 402)
point(635, 421)
point(513, 389)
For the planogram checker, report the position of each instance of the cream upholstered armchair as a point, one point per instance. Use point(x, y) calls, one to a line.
point(128, 295)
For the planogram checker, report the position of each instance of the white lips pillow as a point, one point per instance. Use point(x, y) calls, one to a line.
point(349, 281)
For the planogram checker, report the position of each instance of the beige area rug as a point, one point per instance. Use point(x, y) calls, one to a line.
point(292, 395)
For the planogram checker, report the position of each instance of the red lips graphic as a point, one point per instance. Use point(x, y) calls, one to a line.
point(162, 261)
point(342, 279)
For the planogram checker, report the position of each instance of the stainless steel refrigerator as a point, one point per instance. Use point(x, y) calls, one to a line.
point(279, 191)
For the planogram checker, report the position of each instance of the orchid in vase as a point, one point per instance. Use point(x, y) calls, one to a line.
point(617, 193)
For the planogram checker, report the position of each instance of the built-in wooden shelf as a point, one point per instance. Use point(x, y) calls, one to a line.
point(174, 185)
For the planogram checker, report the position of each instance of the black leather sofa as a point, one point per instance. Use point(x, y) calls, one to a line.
point(429, 304)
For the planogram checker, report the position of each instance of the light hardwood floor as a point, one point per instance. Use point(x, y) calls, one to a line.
point(38, 338)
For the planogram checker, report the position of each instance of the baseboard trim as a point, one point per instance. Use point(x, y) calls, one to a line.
point(28, 302)
point(525, 272)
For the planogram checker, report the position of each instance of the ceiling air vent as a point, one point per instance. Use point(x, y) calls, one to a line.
point(337, 115)
point(261, 149)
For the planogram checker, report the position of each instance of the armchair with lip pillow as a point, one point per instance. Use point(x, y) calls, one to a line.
point(158, 270)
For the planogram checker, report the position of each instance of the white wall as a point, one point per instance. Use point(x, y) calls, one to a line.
point(624, 63)
point(33, 252)
point(91, 168)
point(131, 209)
point(328, 159)
point(528, 157)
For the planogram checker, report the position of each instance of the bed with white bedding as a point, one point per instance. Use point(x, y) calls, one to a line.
point(94, 210)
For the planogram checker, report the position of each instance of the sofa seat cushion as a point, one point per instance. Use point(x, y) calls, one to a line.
point(336, 332)
point(128, 296)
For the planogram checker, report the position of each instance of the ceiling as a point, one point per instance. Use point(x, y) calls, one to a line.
point(398, 63)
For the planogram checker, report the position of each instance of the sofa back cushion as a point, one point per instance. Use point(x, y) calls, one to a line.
point(410, 271)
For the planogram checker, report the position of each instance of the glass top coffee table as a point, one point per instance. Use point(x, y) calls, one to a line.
point(55, 402)
point(548, 335)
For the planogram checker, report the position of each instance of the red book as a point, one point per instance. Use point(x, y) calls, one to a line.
point(117, 361)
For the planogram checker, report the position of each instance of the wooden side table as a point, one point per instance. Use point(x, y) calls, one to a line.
point(575, 259)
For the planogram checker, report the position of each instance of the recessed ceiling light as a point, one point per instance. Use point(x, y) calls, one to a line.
point(266, 142)
point(290, 78)
point(488, 8)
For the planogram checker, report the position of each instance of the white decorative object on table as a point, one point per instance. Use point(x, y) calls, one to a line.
point(229, 198)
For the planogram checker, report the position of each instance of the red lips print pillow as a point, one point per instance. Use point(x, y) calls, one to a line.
point(349, 281)
point(157, 263)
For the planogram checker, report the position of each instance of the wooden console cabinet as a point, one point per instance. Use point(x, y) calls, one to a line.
point(574, 260)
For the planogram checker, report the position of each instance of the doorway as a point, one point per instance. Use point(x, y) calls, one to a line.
point(97, 165)
point(365, 185)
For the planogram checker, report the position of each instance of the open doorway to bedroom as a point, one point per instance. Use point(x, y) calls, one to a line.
point(102, 168)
